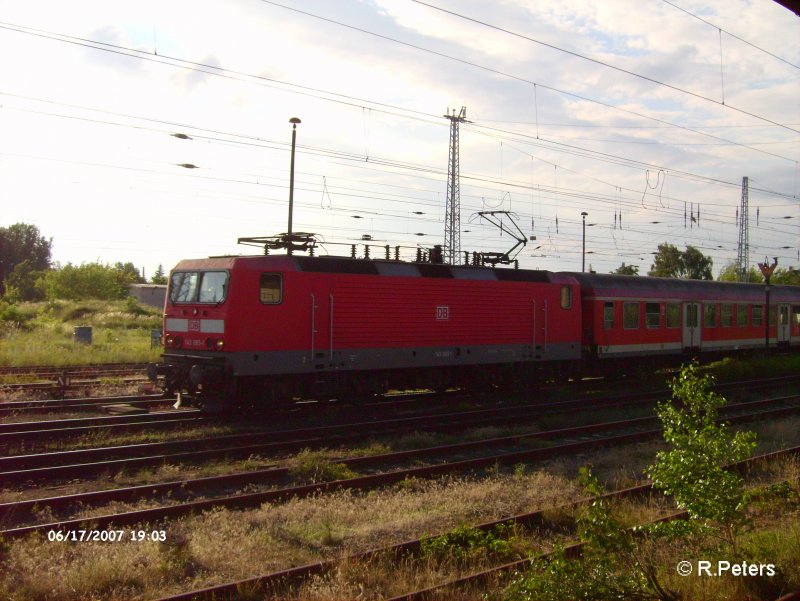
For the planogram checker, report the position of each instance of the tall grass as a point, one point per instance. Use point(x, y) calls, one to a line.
point(42, 333)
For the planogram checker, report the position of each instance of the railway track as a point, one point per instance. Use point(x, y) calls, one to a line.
point(143, 454)
point(59, 380)
point(572, 440)
point(284, 578)
point(65, 463)
point(56, 429)
point(49, 371)
point(27, 433)
point(144, 401)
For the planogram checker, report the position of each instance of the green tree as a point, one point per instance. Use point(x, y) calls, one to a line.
point(128, 273)
point(669, 262)
point(89, 280)
point(620, 563)
point(693, 470)
point(626, 269)
point(728, 274)
point(159, 277)
point(19, 243)
point(696, 265)
point(783, 276)
point(24, 283)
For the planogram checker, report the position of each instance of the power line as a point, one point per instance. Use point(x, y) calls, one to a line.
point(599, 62)
point(733, 35)
point(531, 82)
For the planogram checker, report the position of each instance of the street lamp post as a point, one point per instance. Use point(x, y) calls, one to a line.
point(294, 121)
point(583, 251)
point(766, 271)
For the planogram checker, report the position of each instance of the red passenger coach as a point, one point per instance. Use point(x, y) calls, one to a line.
point(627, 316)
point(274, 328)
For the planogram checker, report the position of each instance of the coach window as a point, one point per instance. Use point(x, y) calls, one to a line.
point(566, 297)
point(796, 315)
point(741, 316)
point(271, 288)
point(758, 315)
point(608, 316)
point(652, 315)
point(630, 316)
point(726, 315)
point(673, 315)
point(710, 315)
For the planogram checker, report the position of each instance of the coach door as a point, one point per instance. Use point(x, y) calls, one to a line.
point(691, 325)
point(784, 325)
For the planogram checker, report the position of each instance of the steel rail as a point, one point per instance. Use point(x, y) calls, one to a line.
point(340, 432)
point(114, 424)
point(8, 370)
point(535, 518)
point(27, 467)
point(360, 482)
point(82, 404)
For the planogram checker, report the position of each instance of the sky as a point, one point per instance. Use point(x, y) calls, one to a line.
point(646, 115)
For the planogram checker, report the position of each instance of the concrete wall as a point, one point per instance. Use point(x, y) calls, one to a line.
point(149, 294)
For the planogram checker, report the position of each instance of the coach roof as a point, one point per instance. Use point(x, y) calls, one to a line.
point(630, 286)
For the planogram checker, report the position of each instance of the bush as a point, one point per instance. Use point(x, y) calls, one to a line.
point(465, 543)
point(315, 466)
point(89, 280)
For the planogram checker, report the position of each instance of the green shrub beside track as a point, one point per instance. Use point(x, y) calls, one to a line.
point(42, 333)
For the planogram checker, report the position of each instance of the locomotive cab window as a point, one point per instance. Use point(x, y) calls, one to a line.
point(213, 286)
point(198, 286)
point(271, 288)
point(183, 286)
point(566, 297)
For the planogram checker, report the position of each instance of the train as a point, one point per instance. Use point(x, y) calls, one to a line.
point(270, 329)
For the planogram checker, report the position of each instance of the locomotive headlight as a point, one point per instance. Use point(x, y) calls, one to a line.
point(169, 341)
point(220, 344)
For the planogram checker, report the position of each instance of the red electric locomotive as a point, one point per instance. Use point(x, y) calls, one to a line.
point(630, 316)
point(273, 328)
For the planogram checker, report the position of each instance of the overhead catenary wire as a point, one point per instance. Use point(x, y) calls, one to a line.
point(595, 61)
point(410, 166)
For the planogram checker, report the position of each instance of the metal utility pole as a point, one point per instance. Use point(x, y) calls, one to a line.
point(743, 249)
point(766, 271)
point(452, 219)
point(294, 121)
point(583, 251)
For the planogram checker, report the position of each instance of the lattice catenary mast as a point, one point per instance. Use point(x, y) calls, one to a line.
point(743, 249)
point(452, 220)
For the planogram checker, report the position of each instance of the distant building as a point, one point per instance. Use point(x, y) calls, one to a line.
point(149, 294)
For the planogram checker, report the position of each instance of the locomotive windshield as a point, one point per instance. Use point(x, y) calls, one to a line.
point(198, 286)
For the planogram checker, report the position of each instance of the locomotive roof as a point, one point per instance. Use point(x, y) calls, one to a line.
point(333, 264)
point(425, 270)
point(621, 286)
